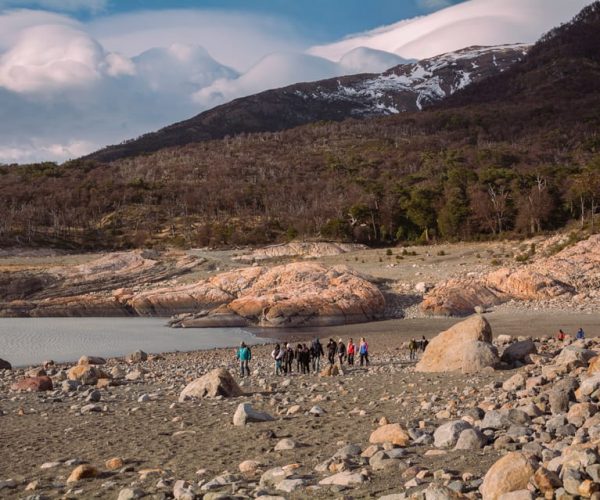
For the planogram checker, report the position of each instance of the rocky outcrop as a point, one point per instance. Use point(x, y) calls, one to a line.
point(296, 249)
point(218, 382)
point(5, 365)
point(573, 272)
point(466, 346)
point(298, 294)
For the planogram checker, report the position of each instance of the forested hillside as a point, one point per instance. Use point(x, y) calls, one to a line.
point(519, 152)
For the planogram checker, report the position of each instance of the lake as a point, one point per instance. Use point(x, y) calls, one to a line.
point(30, 341)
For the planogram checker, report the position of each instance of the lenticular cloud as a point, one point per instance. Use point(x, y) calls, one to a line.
point(475, 22)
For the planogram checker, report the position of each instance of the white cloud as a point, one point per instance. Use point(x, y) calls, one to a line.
point(475, 22)
point(68, 88)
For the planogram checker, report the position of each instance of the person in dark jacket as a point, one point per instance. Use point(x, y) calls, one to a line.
point(305, 359)
point(331, 350)
point(316, 352)
point(288, 359)
point(341, 351)
point(298, 356)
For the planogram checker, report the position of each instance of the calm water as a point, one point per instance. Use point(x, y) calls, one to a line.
point(28, 341)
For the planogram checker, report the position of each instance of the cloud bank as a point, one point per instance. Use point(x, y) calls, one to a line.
point(68, 88)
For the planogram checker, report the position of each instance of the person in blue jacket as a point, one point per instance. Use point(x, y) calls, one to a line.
point(580, 334)
point(244, 355)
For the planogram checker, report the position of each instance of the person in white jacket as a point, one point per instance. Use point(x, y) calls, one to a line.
point(277, 355)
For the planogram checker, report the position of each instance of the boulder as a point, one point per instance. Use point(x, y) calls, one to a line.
point(86, 374)
point(33, 384)
point(446, 435)
point(517, 381)
point(218, 382)
point(245, 414)
point(91, 360)
point(136, 357)
point(5, 365)
point(391, 433)
point(344, 478)
point(446, 352)
point(519, 351)
point(82, 472)
point(470, 439)
point(477, 356)
point(511, 473)
point(594, 365)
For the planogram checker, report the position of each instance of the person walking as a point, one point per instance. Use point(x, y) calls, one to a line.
point(363, 351)
point(244, 355)
point(316, 352)
point(277, 356)
point(412, 349)
point(351, 350)
point(341, 350)
point(331, 350)
point(305, 361)
point(298, 356)
point(288, 359)
point(424, 343)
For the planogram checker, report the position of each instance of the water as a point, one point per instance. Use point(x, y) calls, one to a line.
point(30, 341)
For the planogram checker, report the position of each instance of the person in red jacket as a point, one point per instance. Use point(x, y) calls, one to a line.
point(351, 351)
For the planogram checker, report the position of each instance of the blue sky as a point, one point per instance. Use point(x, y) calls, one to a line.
point(319, 20)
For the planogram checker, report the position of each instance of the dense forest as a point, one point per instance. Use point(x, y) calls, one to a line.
point(515, 154)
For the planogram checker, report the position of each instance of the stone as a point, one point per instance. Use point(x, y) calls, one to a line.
point(249, 466)
point(519, 351)
point(136, 357)
point(33, 384)
point(580, 412)
point(246, 414)
point(559, 401)
point(590, 385)
point(391, 433)
point(446, 435)
point(344, 478)
point(218, 382)
point(317, 411)
point(183, 491)
point(5, 365)
point(272, 477)
point(86, 374)
point(80, 472)
point(546, 481)
point(511, 473)
point(285, 444)
point(114, 463)
point(517, 381)
point(289, 485)
point(348, 451)
point(594, 365)
point(446, 351)
point(439, 492)
point(477, 356)
point(517, 495)
point(470, 439)
point(130, 494)
point(91, 360)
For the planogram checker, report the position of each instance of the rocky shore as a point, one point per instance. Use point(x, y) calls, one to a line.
point(511, 417)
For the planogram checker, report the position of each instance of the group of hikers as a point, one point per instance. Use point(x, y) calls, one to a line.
point(309, 358)
point(417, 345)
point(562, 336)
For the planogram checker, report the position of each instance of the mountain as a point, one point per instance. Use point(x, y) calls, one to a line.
point(516, 153)
point(406, 87)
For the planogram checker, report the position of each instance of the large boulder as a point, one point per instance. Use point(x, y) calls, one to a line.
point(446, 435)
point(5, 365)
point(218, 382)
point(511, 473)
point(245, 414)
point(460, 348)
point(519, 351)
point(33, 384)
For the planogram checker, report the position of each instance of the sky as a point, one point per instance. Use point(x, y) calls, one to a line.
point(76, 75)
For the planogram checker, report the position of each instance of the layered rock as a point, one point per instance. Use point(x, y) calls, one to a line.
point(574, 270)
point(298, 294)
point(466, 346)
point(306, 250)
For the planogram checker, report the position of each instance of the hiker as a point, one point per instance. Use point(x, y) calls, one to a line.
point(363, 351)
point(580, 334)
point(341, 350)
point(331, 350)
point(298, 356)
point(277, 355)
point(412, 349)
point(561, 335)
point(244, 355)
point(316, 351)
point(350, 350)
point(424, 343)
point(288, 359)
point(305, 359)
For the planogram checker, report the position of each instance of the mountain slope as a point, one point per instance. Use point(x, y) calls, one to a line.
point(403, 88)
